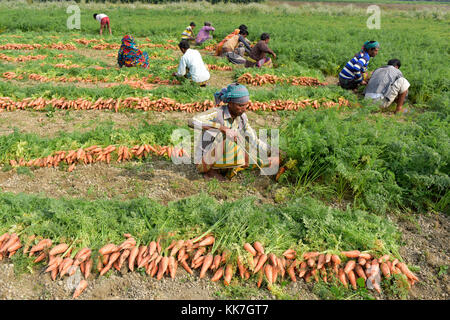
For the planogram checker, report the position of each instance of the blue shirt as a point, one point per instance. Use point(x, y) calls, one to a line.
point(355, 68)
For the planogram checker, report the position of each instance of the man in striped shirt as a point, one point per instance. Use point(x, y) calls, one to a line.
point(354, 72)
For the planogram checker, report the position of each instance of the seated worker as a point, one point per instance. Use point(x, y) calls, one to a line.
point(257, 56)
point(222, 143)
point(233, 51)
point(104, 21)
point(192, 60)
point(203, 34)
point(354, 72)
point(387, 84)
point(221, 43)
point(130, 56)
point(188, 33)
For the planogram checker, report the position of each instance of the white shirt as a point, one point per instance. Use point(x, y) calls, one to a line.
point(192, 59)
point(100, 16)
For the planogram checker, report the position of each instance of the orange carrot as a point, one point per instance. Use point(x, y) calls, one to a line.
point(241, 268)
point(40, 257)
point(361, 261)
point(60, 248)
point(336, 260)
point(366, 256)
point(43, 244)
point(199, 252)
point(186, 266)
point(125, 254)
point(64, 266)
point(132, 258)
point(352, 279)
point(181, 253)
point(261, 262)
point(310, 255)
point(228, 274)
point(351, 254)
point(172, 267)
point(218, 275)
point(360, 272)
point(88, 268)
point(260, 277)
point(342, 277)
point(80, 288)
point(385, 270)
point(250, 249)
point(176, 247)
point(108, 249)
point(207, 241)
point(291, 272)
point(217, 260)
point(206, 264)
point(273, 258)
point(311, 262)
point(162, 267)
point(384, 258)
point(268, 270)
point(258, 247)
point(289, 252)
point(321, 261)
point(405, 270)
point(302, 269)
point(327, 257)
point(350, 265)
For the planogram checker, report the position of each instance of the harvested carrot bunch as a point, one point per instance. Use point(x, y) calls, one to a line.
point(258, 80)
point(21, 58)
point(197, 253)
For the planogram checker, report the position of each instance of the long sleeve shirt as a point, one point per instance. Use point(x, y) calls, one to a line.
point(203, 34)
point(381, 80)
point(192, 59)
point(259, 50)
point(355, 68)
point(220, 116)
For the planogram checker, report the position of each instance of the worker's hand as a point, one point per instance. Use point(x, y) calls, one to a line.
point(174, 74)
point(274, 56)
point(364, 82)
point(274, 162)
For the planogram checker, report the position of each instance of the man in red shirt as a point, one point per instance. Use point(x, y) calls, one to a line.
point(257, 56)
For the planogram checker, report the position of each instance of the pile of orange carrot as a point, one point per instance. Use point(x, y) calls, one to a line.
point(21, 58)
point(256, 80)
point(95, 154)
point(197, 253)
point(24, 46)
point(160, 105)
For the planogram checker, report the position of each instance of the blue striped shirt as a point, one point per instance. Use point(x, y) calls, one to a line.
point(355, 68)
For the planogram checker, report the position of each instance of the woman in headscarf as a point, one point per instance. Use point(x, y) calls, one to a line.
point(130, 56)
point(354, 72)
point(224, 132)
point(234, 33)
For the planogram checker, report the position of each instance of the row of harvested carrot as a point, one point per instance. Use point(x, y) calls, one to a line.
point(142, 83)
point(24, 46)
point(95, 154)
point(159, 261)
point(160, 105)
point(21, 58)
point(258, 80)
point(209, 66)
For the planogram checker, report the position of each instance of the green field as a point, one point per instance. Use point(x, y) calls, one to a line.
point(357, 169)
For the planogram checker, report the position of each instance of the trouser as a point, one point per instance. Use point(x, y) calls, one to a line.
point(398, 87)
point(348, 84)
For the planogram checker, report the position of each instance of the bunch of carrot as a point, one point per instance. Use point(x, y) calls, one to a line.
point(210, 67)
point(24, 46)
point(160, 105)
point(256, 80)
point(21, 58)
point(95, 154)
point(197, 253)
point(65, 66)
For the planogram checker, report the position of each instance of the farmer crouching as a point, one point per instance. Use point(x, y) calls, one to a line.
point(387, 85)
point(221, 148)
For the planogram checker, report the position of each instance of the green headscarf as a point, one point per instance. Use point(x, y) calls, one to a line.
point(371, 44)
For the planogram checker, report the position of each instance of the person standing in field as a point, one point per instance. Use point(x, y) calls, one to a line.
point(203, 34)
point(233, 51)
point(354, 72)
point(188, 33)
point(221, 144)
point(257, 56)
point(387, 85)
point(104, 21)
point(192, 65)
point(130, 56)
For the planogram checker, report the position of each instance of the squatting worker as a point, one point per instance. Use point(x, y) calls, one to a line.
point(192, 60)
point(221, 43)
point(225, 130)
point(130, 56)
point(233, 51)
point(104, 21)
point(355, 71)
point(188, 33)
point(387, 85)
point(257, 56)
point(203, 34)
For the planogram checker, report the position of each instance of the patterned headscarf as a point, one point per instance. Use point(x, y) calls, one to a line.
point(129, 54)
point(370, 45)
point(235, 92)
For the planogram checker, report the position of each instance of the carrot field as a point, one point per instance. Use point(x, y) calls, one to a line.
point(95, 204)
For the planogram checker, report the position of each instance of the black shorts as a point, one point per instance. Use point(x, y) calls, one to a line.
point(348, 84)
